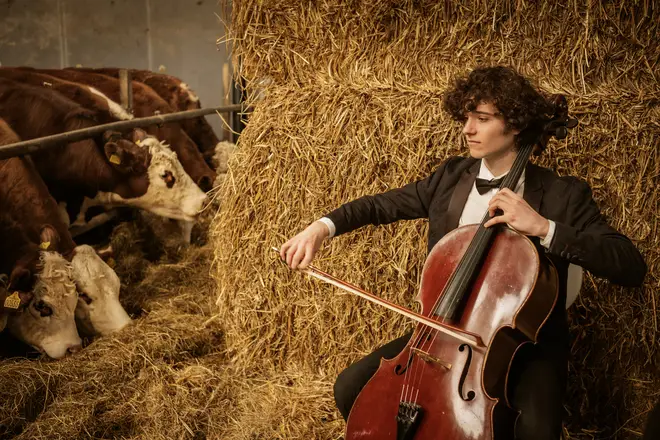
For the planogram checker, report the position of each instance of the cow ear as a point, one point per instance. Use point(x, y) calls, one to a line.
point(50, 238)
point(20, 279)
point(26, 299)
point(126, 157)
point(138, 135)
point(117, 156)
point(110, 135)
point(106, 253)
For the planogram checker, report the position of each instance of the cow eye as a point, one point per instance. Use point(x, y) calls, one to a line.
point(169, 179)
point(85, 297)
point(43, 308)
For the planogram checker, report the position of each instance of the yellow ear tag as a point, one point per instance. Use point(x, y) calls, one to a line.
point(13, 301)
point(138, 142)
point(45, 245)
point(115, 159)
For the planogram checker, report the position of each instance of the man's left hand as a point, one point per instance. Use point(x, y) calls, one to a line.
point(517, 214)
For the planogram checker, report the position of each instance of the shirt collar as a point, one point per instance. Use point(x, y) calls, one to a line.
point(484, 173)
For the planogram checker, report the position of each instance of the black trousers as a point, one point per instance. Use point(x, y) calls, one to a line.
point(538, 391)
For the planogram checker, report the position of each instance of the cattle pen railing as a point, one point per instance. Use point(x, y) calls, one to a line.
point(34, 145)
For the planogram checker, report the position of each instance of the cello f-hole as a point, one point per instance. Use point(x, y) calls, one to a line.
point(470, 394)
point(399, 370)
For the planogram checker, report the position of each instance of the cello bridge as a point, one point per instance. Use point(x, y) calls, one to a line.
point(429, 358)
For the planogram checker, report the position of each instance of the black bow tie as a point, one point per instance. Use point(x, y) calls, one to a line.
point(483, 185)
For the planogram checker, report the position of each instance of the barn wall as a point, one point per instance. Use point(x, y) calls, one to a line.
point(177, 35)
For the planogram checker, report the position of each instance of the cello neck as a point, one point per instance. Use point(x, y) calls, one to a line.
point(452, 302)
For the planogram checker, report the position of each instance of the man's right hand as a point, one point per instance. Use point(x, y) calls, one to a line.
point(299, 251)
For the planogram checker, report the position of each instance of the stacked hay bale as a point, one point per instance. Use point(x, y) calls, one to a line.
point(353, 107)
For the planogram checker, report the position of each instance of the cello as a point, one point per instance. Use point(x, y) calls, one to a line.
point(485, 294)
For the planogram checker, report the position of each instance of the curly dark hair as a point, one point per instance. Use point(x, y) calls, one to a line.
point(520, 104)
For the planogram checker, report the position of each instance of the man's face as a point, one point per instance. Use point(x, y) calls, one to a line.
point(485, 134)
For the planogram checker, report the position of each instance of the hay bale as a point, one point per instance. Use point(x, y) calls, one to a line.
point(353, 108)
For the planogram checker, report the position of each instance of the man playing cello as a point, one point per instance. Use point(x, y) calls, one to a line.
point(558, 213)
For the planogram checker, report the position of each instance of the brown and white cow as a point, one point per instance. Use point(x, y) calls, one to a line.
point(146, 102)
point(88, 97)
point(92, 99)
point(108, 169)
point(33, 264)
point(25, 198)
point(180, 97)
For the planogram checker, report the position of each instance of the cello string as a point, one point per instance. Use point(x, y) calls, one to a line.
point(407, 387)
point(472, 257)
point(409, 365)
point(470, 261)
point(481, 235)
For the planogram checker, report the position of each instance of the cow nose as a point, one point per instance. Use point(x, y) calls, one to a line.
point(74, 348)
point(206, 183)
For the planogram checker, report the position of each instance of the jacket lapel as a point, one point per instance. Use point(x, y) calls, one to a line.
point(460, 196)
point(533, 192)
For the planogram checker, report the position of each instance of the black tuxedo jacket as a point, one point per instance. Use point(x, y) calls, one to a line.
point(582, 235)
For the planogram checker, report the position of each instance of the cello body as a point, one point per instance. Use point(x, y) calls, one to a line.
point(441, 388)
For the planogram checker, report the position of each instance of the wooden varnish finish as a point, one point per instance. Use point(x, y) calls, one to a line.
point(509, 301)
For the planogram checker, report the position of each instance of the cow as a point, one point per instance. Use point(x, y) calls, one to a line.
point(180, 97)
point(105, 170)
point(24, 197)
point(34, 265)
point(147, 103)
point(107, 110)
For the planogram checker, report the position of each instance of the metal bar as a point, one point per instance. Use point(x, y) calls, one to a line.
point(126, 90)
point(38, 144)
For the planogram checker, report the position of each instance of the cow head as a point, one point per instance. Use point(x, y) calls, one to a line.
point(170, 192)
point(98, 310)
point(48, 323)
